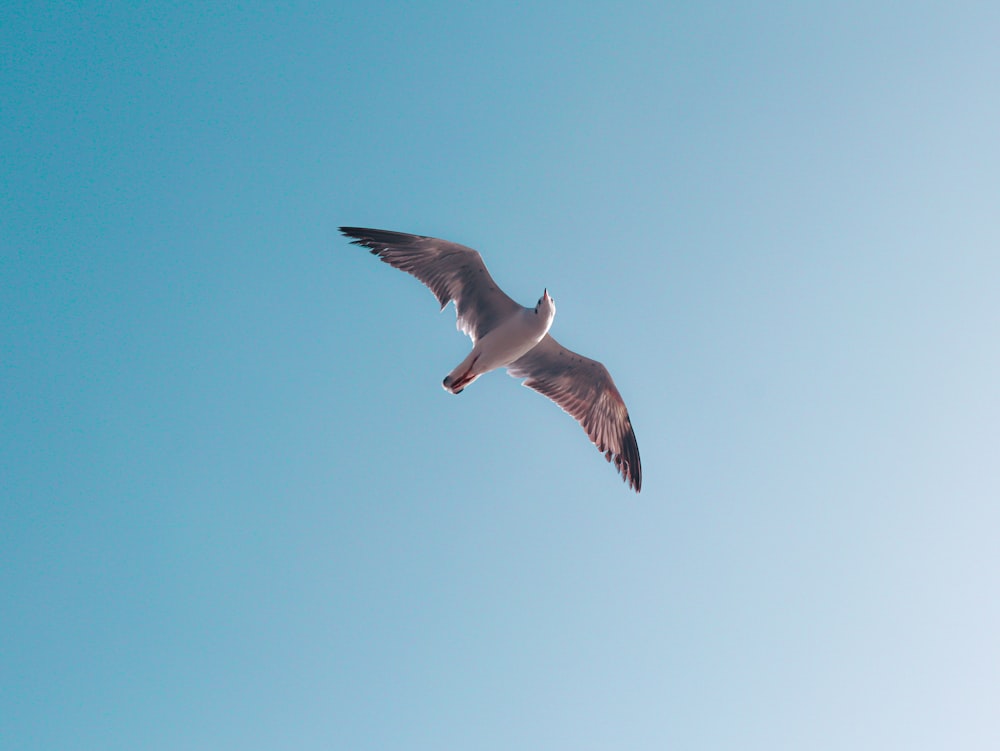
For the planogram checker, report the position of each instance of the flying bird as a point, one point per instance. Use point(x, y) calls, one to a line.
point(508, 335)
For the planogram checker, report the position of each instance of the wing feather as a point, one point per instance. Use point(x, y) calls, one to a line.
point(451, 271)
point(585, 390)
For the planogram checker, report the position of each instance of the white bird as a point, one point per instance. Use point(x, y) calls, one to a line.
point(505, 334)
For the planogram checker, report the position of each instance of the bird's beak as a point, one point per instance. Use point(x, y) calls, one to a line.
point(546, 294)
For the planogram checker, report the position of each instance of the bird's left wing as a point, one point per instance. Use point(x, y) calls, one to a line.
point(584, 389)
point(451, 271)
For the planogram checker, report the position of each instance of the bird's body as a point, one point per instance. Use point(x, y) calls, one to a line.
point(506, 334)
point(513, 338)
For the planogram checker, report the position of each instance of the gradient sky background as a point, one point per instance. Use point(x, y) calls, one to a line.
point(238, 510)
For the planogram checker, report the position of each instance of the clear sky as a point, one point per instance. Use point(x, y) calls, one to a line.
point(239, 512)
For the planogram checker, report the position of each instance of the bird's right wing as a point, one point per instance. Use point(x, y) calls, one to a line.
point(583, 388)
point(451, 271)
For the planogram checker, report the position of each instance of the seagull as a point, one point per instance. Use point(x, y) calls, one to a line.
point(508, 335)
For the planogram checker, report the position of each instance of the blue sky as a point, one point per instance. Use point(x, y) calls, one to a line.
point(238, 510)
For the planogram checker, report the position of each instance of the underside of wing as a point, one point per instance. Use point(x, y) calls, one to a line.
point(453, 272)
point(584, 389)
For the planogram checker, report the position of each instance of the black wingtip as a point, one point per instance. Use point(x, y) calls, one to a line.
point(368, 237)
point(357, 234)
point(629, 464)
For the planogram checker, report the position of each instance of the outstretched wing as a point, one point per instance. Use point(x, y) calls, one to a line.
point(451, 271)
point(583, 388)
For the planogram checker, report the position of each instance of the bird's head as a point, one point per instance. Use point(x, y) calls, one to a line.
point(546, 305)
